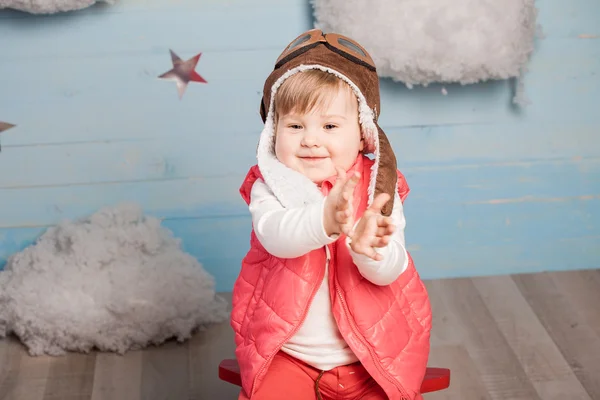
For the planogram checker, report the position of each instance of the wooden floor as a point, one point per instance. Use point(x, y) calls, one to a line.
point(514, 337)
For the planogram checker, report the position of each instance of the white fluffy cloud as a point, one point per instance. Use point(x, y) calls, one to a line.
point(426, 41)
point(116, 281)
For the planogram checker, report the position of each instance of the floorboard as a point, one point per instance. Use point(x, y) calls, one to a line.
point(529, 336)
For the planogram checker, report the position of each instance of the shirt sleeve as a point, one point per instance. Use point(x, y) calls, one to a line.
point(286, 232)
point(395, 256)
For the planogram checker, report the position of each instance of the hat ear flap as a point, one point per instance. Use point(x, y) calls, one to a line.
point(387, 173)
point(263, 110)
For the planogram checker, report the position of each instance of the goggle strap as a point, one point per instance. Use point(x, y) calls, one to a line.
point(350, 57)
point(296, 53)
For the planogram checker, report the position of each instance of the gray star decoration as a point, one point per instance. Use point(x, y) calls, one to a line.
point(183, 72)
point(4, 126)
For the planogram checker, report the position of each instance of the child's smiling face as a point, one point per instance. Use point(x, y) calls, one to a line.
point(314, 143)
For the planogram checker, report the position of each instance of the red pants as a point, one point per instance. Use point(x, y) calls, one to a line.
point(292, 379)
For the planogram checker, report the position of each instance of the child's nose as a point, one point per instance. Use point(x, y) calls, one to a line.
point(310, 138)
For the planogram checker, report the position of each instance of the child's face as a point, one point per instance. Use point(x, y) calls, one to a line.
point(315, 143)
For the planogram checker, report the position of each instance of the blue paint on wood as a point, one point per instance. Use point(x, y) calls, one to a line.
point(495, 189)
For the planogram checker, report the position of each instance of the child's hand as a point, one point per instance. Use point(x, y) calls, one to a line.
point(373, 230)
point(338, 206)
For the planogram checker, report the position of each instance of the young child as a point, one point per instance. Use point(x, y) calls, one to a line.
point(328, 304)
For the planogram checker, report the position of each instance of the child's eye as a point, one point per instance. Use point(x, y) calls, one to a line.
point(295, 126)
point(330, 126)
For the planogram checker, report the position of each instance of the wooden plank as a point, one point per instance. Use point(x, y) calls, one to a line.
point(132, 27)
point(485, 186)
point(66, 98)
point(582, 288)
point(483, 144)
point(118, 376)
point(445, 331)
point(147, 160)
point(512, 189)
point(500, 369)
point(459, 257)
point(448, 349)
point(22, 377)
point(71, 377)
point(32, 375)
point(456, 146)
point(463, 151)
point(207, 348)
point(194, 197)
point(566, 327)
point(558, 18)
point(439, 261)
point(487, 226)
point(568, 19)
point(165, 372)
point(471, 320)
point(9, 362)
point(465, 380)
point(505, 224)
point(534, 243)
point(574, 72)
point(543, 363)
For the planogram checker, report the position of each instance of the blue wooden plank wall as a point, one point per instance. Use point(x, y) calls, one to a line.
point(495, 189)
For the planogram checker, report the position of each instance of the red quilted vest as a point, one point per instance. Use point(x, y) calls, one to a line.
point(387, 327)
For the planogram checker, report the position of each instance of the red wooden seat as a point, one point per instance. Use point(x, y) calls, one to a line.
point(435, 378)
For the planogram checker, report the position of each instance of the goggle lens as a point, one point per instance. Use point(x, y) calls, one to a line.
point(351, 46)
point(298, 41)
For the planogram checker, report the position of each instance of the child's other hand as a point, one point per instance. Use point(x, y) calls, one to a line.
point(338, 206)
point(373, 230)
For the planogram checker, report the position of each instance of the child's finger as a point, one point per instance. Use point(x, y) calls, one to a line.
point(384, 221)
point(370, 228)
point(342, 216)
point(379, 202)
point(369, 251)
point(343, 202)
point(380, 241)
point(351, 232)
point(350, 184)
point(346, 229)
point(341, 174)
point(341, 178)
point(385, 230)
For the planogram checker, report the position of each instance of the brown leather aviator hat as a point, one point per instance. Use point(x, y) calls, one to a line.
point(349, 61)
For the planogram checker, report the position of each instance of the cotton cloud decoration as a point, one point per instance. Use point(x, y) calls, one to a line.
point(116, 281)
point(419, 42)
point(49, 6)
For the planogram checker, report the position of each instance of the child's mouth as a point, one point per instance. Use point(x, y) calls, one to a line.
point(313, 159)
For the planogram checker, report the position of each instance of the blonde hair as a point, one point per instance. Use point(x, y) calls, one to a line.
point(305, 91)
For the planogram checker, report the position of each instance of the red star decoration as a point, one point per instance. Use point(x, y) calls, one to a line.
point(4, 126)
point(183, 72)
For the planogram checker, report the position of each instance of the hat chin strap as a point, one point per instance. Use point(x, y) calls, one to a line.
point(387, 174)
point(292, 188)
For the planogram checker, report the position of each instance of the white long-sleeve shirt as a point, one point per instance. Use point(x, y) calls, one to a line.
point(291, 233)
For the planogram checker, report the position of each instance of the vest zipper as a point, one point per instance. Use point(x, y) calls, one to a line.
point(363, 341)
point(292, 333)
